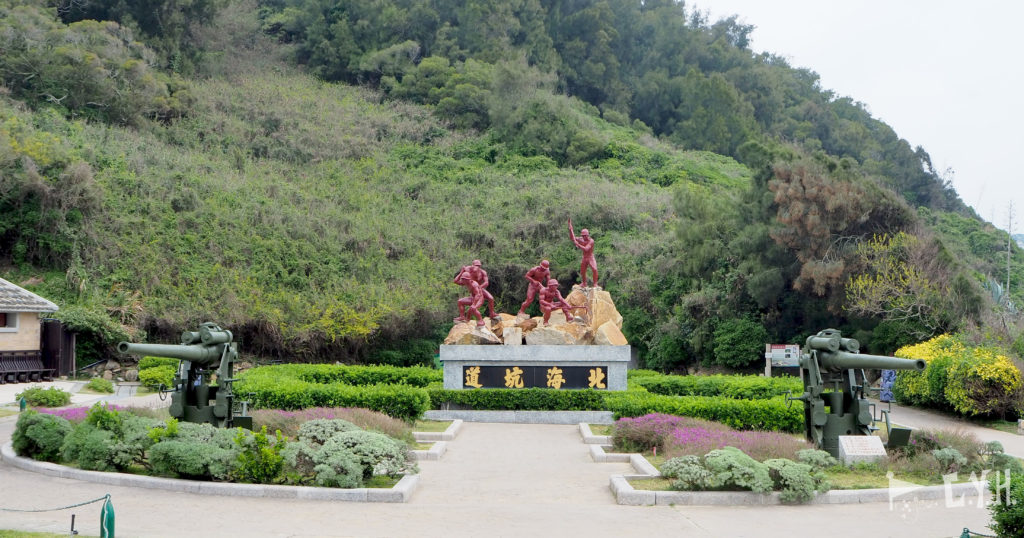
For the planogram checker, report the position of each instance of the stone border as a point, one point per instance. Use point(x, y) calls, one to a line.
point(436, 451)
point(626, 494)
point(591, 439)
point(522, 417)
point(447, 435)
point(400, 493)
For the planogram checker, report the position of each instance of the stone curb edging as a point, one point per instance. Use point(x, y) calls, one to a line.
point(436, 451)
point(447, 435)
point(522, 417)
point(591, 439)
point(626, 494)
point(400, 493)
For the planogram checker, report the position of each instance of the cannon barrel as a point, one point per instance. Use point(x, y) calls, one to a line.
point(200, 354)
point(841, 360)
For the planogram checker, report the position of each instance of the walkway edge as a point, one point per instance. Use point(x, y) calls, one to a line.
point(400, 493)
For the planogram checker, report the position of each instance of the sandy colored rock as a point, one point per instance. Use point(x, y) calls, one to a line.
point(550, 336)
point(468, 334)
point(528, 325)
point(132, 375)
point(512, 336)
point(609, 334)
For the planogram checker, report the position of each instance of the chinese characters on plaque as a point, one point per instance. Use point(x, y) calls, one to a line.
point(554, 377)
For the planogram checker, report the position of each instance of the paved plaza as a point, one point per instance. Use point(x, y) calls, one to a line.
point(495, 480)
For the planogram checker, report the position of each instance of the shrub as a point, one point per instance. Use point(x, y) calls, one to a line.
point(74, 414)
point(39, 397)
point(818, 459)
point(642, 434)
point(376, 452)
point(688, 471)
point(732, 469)
point(1007, 506)
point(984, 383)
point(338, 468)
point(747, 387)
point(99, 384)
point(89, 447)
point(798, 482)
point(519, 399)
point(950, 459)
point(145, 363)
point(289, 422)
point(259, 459)
point(768, 415)
point(738, 342)
point(912, 387)
point(39, 436)
point(316, 432)
point(191, 459)
point(158, 376)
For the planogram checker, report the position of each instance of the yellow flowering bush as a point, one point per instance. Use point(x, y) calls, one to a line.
point(968, 380)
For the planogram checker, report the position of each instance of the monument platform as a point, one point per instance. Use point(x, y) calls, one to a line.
point(552, 366)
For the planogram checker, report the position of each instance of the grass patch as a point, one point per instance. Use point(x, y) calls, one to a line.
point(422, 446)
point(652, 484)
point(381, 481)
point(431, 425)
point(1008, 426)
point(601, 429)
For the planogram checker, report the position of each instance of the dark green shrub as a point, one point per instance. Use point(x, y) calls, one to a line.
point(798, 482)
point(730, 386)
point(1007, 505)
point(688, 473)
point(259, 459)
point(90, 448)
point(769, 415)
point(191, 459)
point(519, 399)
point(99, 384)
point(739, 342)
point(40, 397)
point(730, 468)
point(146, 363)
point(39, 436)
point(158, 376)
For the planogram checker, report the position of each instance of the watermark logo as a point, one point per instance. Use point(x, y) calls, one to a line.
point(955, 493)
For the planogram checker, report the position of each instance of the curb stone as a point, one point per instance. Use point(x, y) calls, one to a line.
point(447, 435)
point(399, 493)
point(436, 451)
point(591, 439)
point(522, 417)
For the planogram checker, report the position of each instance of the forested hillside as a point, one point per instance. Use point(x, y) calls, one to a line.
point(312, 173)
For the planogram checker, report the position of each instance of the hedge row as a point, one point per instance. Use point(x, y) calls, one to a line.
point(532, 399)
point(771, 415)
point(416, 376)
point(283, 388)
point(730, 386)
point(765, 414)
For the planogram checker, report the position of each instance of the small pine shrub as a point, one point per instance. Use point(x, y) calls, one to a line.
point(818, 459)
point(39, 397)
point(950, 459)
point(98, 384)
point(39, 436)
point(337, 468)
point(194, 460)
point(259, 459)
point(317, 432)
point(91, 448)
point(798, 482)
point(688, 471)
point(376, 452)
point(730, 468)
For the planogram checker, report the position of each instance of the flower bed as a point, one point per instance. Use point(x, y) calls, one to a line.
point(674, 436)
point(325, 451)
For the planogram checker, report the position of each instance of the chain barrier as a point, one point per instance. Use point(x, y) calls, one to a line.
point(103, 498)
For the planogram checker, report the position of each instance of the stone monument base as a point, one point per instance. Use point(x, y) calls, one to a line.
point(552, 366)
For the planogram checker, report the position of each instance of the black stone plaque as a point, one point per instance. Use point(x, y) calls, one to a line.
point(521, 377)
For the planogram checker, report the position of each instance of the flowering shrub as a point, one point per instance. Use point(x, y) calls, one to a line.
point(969, 380)
point(289, 422)
point(75, 414)
point(680, 436)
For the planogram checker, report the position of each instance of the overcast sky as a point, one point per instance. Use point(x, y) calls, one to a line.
point(945, 75)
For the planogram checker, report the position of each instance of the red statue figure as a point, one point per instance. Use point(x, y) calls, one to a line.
point(478, 274)
point(536, 276)
point(586, 244)
point(551, 299)
point(470, 305)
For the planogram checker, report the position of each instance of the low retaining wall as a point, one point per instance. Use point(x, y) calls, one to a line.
point(523, 417)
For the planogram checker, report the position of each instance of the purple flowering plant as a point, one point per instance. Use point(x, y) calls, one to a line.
point(681, 436)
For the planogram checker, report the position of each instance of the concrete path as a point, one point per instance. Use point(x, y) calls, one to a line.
point(925, 419)
point(496, 480)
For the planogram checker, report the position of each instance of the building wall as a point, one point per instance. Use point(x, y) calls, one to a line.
point(26, 337)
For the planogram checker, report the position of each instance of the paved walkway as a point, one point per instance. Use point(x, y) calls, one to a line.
point(495, 480)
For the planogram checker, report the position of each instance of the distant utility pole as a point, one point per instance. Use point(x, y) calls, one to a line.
point(1009, 241)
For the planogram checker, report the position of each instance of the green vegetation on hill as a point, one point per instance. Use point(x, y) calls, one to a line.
point(199, 174)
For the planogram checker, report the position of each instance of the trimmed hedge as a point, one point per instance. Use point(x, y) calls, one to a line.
point(416, 376)
point(153, 362)
point(532, 399)
point(771, 414)
point(294, 386)
point(730, 386)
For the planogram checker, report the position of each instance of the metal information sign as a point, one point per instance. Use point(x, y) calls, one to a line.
point(518, 377)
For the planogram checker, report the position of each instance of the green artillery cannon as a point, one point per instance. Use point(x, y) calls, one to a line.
point(834, 402)
point(202, 353)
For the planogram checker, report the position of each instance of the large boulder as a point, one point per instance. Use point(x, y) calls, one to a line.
point(512, 336)
point(551, 336)
point(608, 334)
point(467, 333)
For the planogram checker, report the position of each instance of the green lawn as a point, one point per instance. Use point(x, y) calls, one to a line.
point(431, 425)
point(601, 429)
